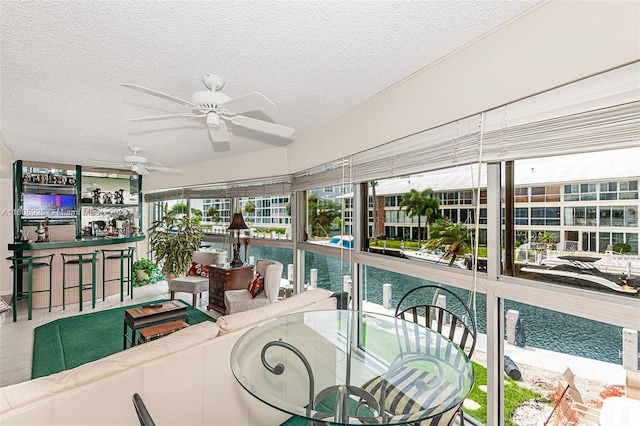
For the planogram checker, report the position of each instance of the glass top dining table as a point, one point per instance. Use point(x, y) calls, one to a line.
point(347, 367)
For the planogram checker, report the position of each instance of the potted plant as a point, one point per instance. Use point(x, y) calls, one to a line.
point(146, 272)
point(173, 240)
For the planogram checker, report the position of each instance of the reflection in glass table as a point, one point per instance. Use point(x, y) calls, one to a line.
point(348, 368)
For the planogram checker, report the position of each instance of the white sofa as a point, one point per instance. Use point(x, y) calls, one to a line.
point(184, 379)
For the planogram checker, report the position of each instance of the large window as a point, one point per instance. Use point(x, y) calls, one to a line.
point(580, 192)
point(580, 216)
point(627, 190)
point(267, 215)
point(557, 336)
point(428, 217)
point(618, 216)
point(332, 273)
point(549, 216)
point(568, 251)
point(330, 216)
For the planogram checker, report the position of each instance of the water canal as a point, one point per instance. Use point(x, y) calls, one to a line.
point(544, 328)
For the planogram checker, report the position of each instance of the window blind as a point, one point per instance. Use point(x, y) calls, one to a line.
point(446, 146)
point(170, 194)
point(599, 112)
point(613, 127)
point(272, 186)
point(332, 174)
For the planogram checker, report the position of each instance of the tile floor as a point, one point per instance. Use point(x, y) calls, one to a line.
point(16, 338)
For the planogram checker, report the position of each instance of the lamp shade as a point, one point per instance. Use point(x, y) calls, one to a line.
point(237, 222)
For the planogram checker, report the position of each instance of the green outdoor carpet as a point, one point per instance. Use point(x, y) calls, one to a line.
point(66, 343)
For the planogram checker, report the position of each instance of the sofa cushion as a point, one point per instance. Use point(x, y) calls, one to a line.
point(239, 320)
point(256, 285)
point(198, 269)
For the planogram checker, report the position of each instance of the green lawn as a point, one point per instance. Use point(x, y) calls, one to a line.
point(411, 245)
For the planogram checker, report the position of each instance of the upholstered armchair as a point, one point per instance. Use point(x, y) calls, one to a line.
point(197, 279)
point(243, 300)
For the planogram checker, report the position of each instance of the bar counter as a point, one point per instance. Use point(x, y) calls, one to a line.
point(83, 245)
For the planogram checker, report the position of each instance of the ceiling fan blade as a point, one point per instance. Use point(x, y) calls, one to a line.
point(261, 126)
point(139, 169)
point(254, 101)
point(159, 94)
point(219, 134)
point(221, 146)
point(164, 117)
point(163, 169)
point(111, 163)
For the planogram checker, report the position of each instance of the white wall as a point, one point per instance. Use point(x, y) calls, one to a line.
point(553, 44)
point(6, 219)
point(254, 165)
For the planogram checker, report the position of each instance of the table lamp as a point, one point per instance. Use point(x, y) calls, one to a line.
point(237, 223)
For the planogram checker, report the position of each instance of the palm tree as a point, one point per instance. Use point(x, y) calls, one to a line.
point(415, 204)
point(321, 213)
point(431, 212)
point(178, 208)
point(250, 207)
point(214, 214)
point(453, 238)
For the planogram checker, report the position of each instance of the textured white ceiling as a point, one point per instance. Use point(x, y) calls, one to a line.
point(61, 62)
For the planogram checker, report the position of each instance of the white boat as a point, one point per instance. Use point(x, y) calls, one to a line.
point(608, 261)
point(582, 268)
point(342, 241)
point(426, 255)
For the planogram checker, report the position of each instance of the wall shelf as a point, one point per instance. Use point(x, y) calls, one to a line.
point(108, 205)
point(76, 183)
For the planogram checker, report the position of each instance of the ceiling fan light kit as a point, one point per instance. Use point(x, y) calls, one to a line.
point(218, 108)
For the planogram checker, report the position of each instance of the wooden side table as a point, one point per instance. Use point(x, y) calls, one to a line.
point(222, 279)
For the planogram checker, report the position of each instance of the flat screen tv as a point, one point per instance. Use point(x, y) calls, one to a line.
point(53, 206)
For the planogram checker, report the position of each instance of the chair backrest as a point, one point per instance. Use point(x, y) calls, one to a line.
point(141, 410)
point(447, 315)
point(271, 272)
point(207, 257)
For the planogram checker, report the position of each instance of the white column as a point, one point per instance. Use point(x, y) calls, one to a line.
point(346, 283)
point(512, 321)
point(386, 296)
point(313, 277)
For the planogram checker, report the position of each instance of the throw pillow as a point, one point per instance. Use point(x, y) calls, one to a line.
point(198, 269)
point(256, 285)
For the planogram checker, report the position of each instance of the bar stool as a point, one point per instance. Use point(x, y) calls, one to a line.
point(125, 256)
point(80, 259)
point(28, 263)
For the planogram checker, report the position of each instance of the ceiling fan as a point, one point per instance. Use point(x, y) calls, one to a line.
point(139, 164)
point(218, 109)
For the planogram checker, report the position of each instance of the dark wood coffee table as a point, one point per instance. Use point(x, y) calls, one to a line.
point(143, 316)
